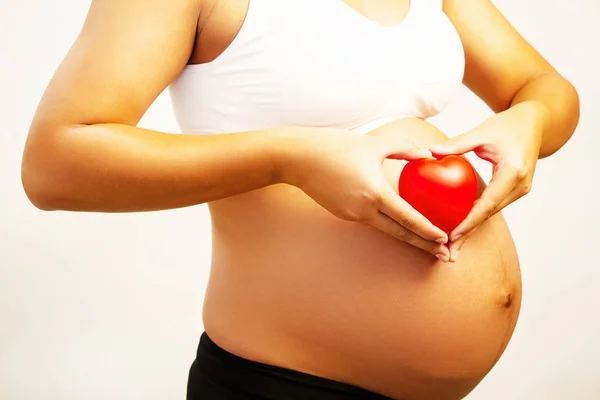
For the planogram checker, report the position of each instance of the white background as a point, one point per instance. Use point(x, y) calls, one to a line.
point(99, 306)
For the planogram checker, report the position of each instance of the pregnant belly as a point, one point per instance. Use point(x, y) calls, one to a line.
point(294, 286)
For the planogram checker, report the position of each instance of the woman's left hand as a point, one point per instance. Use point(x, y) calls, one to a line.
point(511, 141)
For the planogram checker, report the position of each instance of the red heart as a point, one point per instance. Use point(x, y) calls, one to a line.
point(443, 189)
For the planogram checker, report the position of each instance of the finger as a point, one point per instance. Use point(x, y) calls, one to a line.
point(391, 227)
point(457, 145)
point(516, 194)
point(404, 214)
point(500, 187)
point(402, 151)
point(455, 247)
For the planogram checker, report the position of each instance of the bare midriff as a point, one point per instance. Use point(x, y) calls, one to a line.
point(294, 286)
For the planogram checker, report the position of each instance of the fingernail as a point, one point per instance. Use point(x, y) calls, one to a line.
point(442, 257)
point(455, 256)
point(442, 240)
point(456, 237)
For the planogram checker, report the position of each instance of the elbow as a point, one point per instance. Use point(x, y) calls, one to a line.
point(36, 187)
point(40, 202)
point(571, 106)
point(38, 198)
point(39, 170)
point(565, 111)
point(575, 107)
point(570, 120)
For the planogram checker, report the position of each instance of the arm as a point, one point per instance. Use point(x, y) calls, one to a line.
point(537, 110)
point(506, 72)
point(84, 151)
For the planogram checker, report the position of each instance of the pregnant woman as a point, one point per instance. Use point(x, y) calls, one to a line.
point(298, 117)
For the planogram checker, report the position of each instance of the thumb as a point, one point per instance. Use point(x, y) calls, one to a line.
point(405, 151)
point(457, 145)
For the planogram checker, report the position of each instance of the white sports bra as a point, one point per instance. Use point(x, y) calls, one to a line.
point(321, 63)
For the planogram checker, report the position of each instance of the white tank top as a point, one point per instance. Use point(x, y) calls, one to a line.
point(321, 63)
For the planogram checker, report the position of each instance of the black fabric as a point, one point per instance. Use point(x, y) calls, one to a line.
point(217, 374)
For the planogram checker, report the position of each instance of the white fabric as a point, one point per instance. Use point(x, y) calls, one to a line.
point(322, 63)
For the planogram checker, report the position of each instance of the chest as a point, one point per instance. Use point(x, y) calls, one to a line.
point(321, 62)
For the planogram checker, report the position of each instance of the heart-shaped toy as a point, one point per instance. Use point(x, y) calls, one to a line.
point(442, 189)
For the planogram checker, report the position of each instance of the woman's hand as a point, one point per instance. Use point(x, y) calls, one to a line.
point(342, 171)
point(509, 140)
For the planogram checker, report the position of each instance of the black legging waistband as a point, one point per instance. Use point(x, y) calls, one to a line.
point(219, 374)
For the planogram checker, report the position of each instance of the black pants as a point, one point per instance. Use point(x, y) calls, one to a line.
point(217, 374)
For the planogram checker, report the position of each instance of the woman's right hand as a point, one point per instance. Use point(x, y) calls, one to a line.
point(342, 171)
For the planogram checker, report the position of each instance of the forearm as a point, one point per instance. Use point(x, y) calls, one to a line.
point(552, 103)
point(120, 168)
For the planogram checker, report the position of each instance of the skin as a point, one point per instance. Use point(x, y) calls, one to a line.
point(144, 170)
point(346, 277)
point(341, 300)
point(537, 109)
